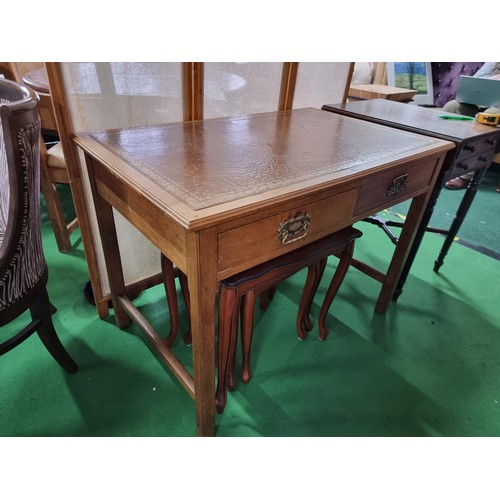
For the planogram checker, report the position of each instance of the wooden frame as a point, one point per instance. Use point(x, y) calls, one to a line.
point(193, 75)
point(288, 81)
point(75, 182)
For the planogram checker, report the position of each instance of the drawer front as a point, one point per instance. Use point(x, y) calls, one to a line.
point(390, 187)
point(257, 242)
point(470, 163)
point(477, 147)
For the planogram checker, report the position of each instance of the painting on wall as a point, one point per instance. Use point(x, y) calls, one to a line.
point(412, 75)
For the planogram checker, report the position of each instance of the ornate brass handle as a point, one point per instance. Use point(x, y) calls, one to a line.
point(397, 184)
point(294, 229)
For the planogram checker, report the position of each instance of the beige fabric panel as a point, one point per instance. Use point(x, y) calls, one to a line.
point(241, 88)
point(321, 83)
point(114, 95)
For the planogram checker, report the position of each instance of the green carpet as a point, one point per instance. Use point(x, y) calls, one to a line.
point(429, 367)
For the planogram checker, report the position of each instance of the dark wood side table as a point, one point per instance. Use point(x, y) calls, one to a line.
point(475, 148)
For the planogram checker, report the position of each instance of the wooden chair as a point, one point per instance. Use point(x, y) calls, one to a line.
point(103, 95)
point(78, 105)
point(54, 171)
point(53, 166)
point(170, 273)
point(23, 269)
point(84, 101)
point(238, 293)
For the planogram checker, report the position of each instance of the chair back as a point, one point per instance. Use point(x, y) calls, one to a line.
point(320, 82)
point(22, 263)
point(445, 78)
point(103, 95)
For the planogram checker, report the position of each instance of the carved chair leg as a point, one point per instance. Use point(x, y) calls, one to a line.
point(343, 265)
point(266, 297)
point(56, 215)
point(247, 317)
point(231, 364)
point(46, 331)
point(314, 275)
point(167, 268)
point(227, 311)
point(187, 301)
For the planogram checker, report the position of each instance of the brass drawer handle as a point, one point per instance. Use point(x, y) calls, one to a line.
point(294, 229)
point(397, 184)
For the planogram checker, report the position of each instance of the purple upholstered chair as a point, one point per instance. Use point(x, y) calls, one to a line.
point(445, 79)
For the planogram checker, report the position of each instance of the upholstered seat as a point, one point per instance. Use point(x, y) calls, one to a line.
point(55, 157)
point(23, 269)
point(239, 293)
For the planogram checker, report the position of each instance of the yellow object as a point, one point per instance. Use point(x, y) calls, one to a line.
point(488, 118)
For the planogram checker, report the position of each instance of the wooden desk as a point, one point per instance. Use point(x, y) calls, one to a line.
point(212, 194)
point(375, 91)
point(475, 148)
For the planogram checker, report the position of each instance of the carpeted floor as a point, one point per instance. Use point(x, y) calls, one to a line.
point(429, 367)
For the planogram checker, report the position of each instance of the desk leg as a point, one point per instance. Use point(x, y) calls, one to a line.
point(408, 233)
point(418, 238)
point(202, 279)
point(111, 250)
point(460, 216)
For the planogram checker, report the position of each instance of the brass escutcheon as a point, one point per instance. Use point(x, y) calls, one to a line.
point(294, 229)
point(397, 184)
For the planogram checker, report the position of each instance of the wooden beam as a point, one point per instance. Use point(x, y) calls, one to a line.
point(66, 130)
point(288, 81)
point(193, 75)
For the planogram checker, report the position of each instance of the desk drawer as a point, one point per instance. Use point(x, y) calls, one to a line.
point(468, 164)
point(257, 242)
point(477, 147)
point(391, 187)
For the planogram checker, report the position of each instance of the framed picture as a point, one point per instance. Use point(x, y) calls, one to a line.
point(412, 75)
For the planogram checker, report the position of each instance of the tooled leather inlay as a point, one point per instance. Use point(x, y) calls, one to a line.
point(207, 163)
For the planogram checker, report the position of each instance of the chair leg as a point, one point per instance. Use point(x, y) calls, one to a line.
point(247, 317)
point(266, 297)
point(47, 333)
point(228, 310)
point(314, 275)
point(185, 294)
point(338, 277)
point(56, 215)
point(231, 363)
point(167, 268)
